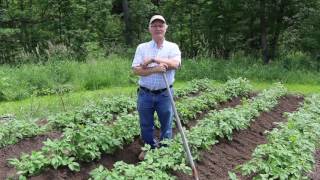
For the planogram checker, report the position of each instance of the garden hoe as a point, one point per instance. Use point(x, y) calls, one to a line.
point(184, 139)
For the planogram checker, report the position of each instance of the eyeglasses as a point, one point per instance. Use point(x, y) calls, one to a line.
point(157, 26)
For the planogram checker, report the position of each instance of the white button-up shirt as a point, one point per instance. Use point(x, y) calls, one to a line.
point(168, 50)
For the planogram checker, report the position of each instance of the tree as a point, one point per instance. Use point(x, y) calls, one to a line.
point(126, 14)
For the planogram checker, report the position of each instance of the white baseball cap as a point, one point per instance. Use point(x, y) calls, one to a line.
point(157, 17)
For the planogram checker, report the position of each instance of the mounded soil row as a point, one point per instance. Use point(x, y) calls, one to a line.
point(214, 163)
point(129, 154)
point(27, 145)
point(316, 172)
point(226, 155)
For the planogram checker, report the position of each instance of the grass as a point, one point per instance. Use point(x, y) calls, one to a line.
point(42, 107)
point(30, 90)
point(63, 76)
point(249, 68)
point(304, 89)
point(301, 89)
point(97, 73)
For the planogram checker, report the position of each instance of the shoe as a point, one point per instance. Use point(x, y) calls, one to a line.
point(142, 155)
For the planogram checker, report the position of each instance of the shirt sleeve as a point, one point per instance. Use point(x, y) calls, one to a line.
point(138, 57)
point(176, 53)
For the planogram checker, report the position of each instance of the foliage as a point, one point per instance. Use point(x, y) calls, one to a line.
point(194, 86)
point(289, 153)
point(104, 111)
point(217, 124)
point(56, 77)
point(13, 130)
point(190, 108)
point(71, 76)
point(295, 68)
point(202, 28)
point(85, 142)
point(73, 23)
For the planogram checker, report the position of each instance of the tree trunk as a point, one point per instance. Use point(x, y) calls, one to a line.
point(277, 29)
point(22, 25)
point(225, 48)
point(180, 29)
point(192, 49)
point(251, 41)
point(274, 42)
point(60, 21)
point(86, 15)
point(263, 26)
point(127, 31)
point(156, 2)
point(30, 42)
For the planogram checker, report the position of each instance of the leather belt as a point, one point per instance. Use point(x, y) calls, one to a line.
point(158, 91)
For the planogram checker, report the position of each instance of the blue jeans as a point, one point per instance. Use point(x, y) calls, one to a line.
point(148, 103)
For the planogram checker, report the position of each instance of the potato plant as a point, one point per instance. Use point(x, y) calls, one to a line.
point(86, 142)
point(193, 87)
point(232, 88)
point(217, 124)
point(12, 131)
point(290, 148)
point(103, 111)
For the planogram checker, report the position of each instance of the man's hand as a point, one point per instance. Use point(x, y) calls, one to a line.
point(161, 68)
point(170, 63)
point(147, 61)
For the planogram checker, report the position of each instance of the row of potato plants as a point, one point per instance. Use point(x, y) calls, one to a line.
point(218, 124)
point(193, 87)
point(118, 105)
point(232, 88)
point(12, 131)
point(87, 142)
point(191, 107)
point(289, 153)
point(105, 110)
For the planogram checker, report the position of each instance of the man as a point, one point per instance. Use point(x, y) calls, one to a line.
point(151, 60)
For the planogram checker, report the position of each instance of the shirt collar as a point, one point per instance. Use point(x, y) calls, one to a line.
point(154, 44)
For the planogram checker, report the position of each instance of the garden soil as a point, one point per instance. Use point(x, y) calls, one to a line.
point(315, 175)
point(226, 155)
point(215, 163)
point(25, 146)
point(128, 154)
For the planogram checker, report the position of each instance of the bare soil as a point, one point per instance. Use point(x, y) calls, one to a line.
point(315, 175)
point(128, 154)
point(226, 155)
point(27, 145)
point(214, 163)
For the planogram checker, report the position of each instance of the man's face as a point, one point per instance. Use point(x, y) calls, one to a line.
point(157, 29)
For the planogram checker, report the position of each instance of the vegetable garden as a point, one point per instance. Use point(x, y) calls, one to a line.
point(233, 132)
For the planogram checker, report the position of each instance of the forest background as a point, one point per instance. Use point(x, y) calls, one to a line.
point(57, 46)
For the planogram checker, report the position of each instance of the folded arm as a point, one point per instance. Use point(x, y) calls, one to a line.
point(173, 63)
point(146, 71)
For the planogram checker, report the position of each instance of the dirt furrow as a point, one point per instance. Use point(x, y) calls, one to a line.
point(243, 143)
point(27, 145)
point(315, 174)
point(128, 154)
